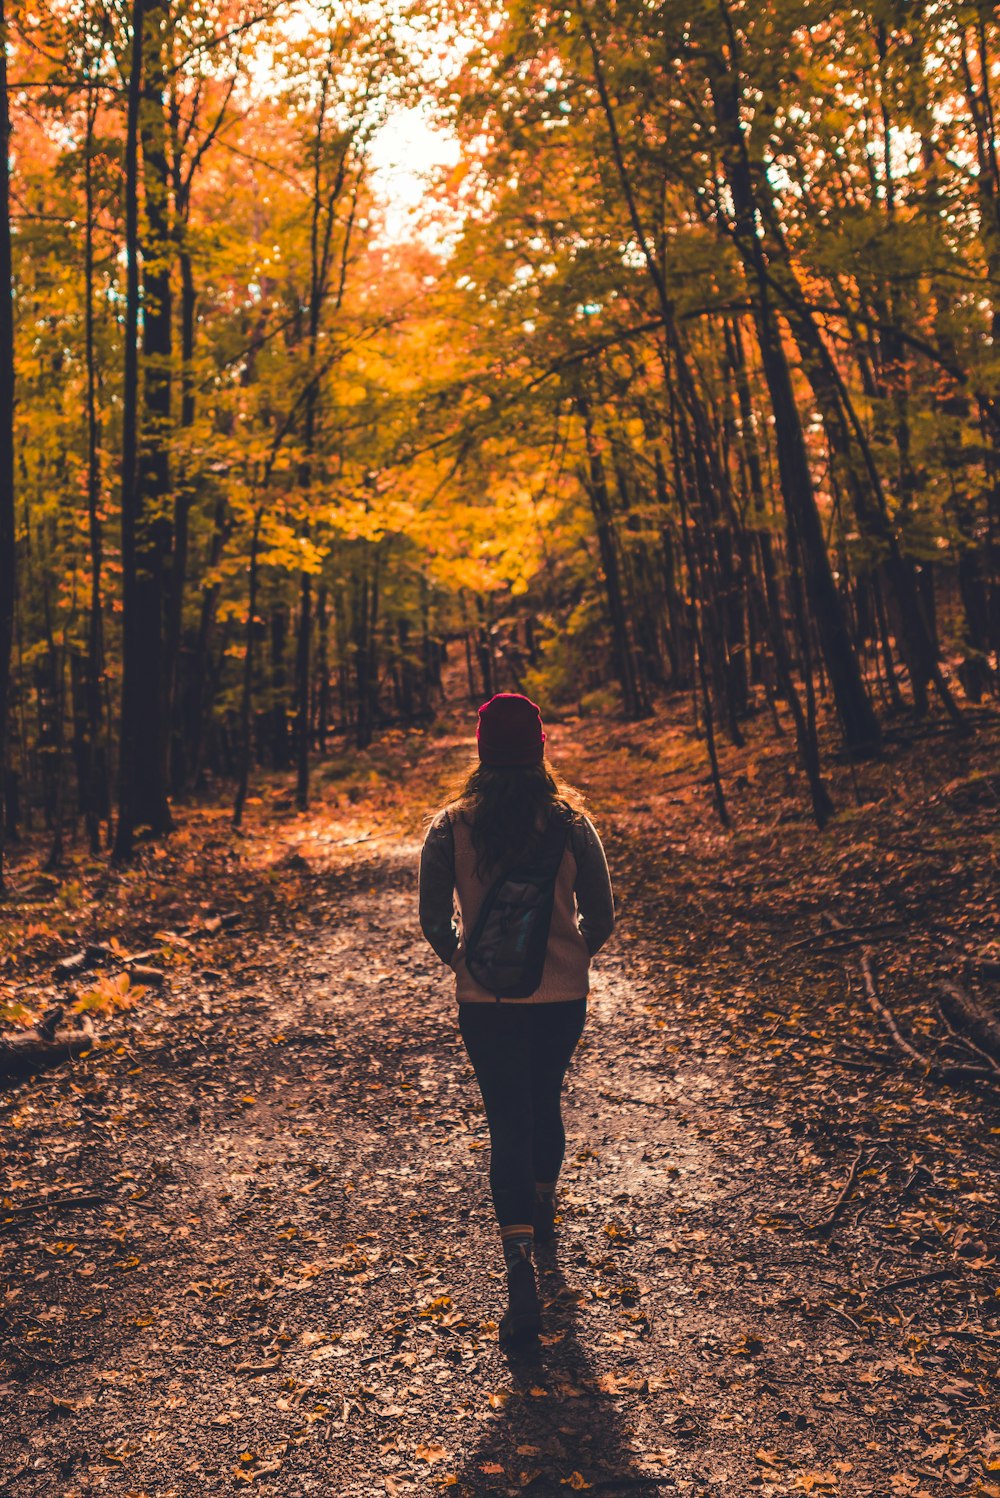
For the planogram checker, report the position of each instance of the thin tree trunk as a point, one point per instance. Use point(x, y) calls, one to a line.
point(302, 682)
point(596, 489)
point(362, 658)
point(178, 767)
point(95, 765)
point(322, 668)
point(7, 533)
point(154, 525)
point(857, 719)
point(58, 690)
point(805, 723)
point(246, 696)
point(682, 480)
point(131, 659)
point(200, 696)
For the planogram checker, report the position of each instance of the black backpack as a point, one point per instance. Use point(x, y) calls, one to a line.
point(505, 952)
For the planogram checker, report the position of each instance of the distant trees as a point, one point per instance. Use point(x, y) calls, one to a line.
point(728, 228)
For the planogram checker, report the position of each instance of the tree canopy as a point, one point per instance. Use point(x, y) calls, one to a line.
point(680, 375)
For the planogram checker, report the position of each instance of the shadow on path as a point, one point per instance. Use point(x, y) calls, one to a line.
point(557, 1431)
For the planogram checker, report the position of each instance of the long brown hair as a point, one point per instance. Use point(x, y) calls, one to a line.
point(506, 809)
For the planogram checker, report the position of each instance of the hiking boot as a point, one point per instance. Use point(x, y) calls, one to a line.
point(544, 1219)
point(522, 1320)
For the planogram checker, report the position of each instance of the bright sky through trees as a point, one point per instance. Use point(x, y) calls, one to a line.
point(407, 153)
point(415, 142)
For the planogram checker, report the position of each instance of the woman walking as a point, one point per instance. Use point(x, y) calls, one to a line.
point(535, 904)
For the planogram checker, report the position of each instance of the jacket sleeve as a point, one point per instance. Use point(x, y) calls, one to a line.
point(437, 888)
point(594, 896)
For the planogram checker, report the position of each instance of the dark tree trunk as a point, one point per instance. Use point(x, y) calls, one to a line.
point(302, 683)
point(683, 483)
point(200, 695)
point(484, 653)
point(405, 669)
point(279, 708)
point(857, 719)
point(94, 760)
point(374, 711)
point(805, 723)
point(975, 672)
point(635, 704)
point(7, 563)
point(56, 684)
point(154, 526)
point(246, 695)
point(470, 673)
point(363, 665)
point(146, 526)
point(130, 493)
point(179, 766)
point(322, 668)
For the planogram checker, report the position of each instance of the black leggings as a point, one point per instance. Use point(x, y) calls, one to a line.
point(520, 1052)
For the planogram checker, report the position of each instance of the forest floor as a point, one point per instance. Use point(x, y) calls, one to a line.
point(247, 1242)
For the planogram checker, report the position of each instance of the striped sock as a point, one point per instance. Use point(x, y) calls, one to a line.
point(518, 1241)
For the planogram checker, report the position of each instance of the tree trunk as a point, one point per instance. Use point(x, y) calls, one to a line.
point(322, 668)
point(634, 702)
point(146, 526)
point(200, 695)
point(805, 723)
point(7, 535)
point(302, 683)
point(130, 497)
point(279, 709)
point(362, 659)
point(178, 765)
point(693, 592)
point(94, 761)
point(246, 696)
point(857, 719)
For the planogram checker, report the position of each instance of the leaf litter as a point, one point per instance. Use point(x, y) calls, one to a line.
point(247, 1240)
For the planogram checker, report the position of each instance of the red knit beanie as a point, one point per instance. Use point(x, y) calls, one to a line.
point(510, 734)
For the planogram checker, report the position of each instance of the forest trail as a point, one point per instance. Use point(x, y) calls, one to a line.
point(290, 1279)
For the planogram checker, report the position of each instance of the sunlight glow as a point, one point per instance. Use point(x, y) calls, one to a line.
point(409, 151)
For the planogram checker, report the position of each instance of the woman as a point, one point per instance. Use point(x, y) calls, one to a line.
point(510, 810)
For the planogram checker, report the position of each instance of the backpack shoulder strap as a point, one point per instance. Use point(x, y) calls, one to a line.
point(553, 843)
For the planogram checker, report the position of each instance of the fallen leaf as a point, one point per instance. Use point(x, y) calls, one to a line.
point(430, 1453)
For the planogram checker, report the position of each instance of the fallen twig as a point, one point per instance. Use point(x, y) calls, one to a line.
point(836, 1311)
point(965, 1333)
point(887, 1016)
point(14, 1216)
point(842, 933)
point(916, 1058)
point(915, 1279)
point(861, 1161)
point(44, 1204)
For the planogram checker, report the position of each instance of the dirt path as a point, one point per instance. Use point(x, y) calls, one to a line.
point(291, 1279)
